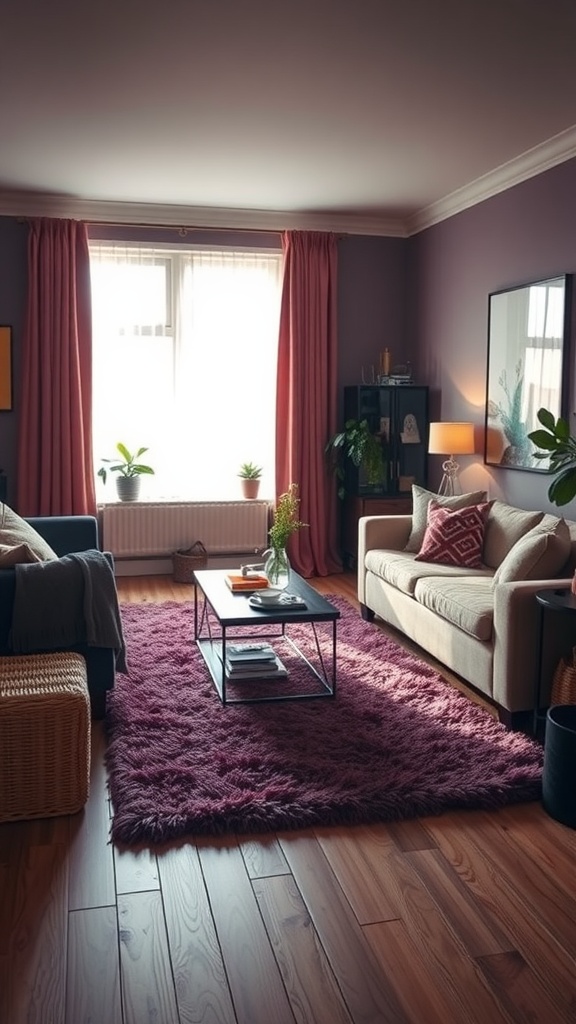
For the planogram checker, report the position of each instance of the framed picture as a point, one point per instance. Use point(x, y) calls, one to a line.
point(5, 368)
point(528, 332)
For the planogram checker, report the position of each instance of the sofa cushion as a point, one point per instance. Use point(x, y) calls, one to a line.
point(505, 526)
point(466, 603)
point(540, 555)
point(454, 536)
point(401, 570)
point(420, 501)
point(15, 531)
point(16, 554)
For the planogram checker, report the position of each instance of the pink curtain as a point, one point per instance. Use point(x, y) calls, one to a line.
point(307, 396)
point(55, 468)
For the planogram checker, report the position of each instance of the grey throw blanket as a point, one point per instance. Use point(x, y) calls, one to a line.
point(69, 601)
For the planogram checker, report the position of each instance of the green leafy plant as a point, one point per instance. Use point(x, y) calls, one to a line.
point(363, 448)
point(560, 448)
point(285, 520)
point(127, 465)
point(249, 471)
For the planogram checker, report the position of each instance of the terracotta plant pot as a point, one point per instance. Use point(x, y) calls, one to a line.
point(250, 488)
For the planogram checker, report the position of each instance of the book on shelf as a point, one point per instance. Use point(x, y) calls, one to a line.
point(264, 670)
point(249, 654)
point(248, 584)
point(246, 668)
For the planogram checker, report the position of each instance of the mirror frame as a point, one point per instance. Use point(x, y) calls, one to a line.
point(512, 398)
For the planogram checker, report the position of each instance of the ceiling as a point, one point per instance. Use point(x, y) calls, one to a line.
point(379, 116)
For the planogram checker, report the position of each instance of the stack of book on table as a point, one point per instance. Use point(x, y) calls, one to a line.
point(253, 661)
point(253, 581)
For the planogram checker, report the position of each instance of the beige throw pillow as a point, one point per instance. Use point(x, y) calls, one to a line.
point(421, 498)
point(15, 531)
point(15, 555)
point(505, 526)
point(540, 555)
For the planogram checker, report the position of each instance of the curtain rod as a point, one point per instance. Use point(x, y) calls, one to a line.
point(183, 229)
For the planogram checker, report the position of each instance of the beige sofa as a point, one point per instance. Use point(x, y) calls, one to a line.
point(482, 623)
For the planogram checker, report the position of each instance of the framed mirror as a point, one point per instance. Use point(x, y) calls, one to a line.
point(528, 333)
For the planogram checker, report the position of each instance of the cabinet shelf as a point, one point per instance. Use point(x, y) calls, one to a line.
point(398, 415)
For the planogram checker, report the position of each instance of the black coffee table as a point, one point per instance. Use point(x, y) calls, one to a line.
point(213, 600)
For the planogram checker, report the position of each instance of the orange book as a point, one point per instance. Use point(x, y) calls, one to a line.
point(236, 581)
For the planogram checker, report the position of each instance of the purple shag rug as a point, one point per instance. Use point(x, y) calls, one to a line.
point(396, 742)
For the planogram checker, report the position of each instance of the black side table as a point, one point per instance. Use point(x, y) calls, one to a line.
point(552, 601)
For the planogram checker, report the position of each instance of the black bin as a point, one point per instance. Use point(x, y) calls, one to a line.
point(559, 771)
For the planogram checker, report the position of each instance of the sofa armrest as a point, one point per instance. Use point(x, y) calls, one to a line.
point(389, 532)
point(516, 639)
point(66, 534)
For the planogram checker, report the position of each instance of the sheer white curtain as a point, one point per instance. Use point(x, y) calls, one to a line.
point(543, 356)
point(185, 354)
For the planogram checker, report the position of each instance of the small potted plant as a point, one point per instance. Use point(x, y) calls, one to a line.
point(250, 476)
point(130, 470)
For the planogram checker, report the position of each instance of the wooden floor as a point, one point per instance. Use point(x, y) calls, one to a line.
point(465, 918)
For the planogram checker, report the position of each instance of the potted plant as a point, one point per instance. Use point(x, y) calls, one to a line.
point(250, 476)
point(560, 448)
point(130, 470)
point(363, 448)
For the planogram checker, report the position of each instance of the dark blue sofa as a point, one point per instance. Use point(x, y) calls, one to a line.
point(65, 534)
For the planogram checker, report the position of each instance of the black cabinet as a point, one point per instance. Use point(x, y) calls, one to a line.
point(398, 415)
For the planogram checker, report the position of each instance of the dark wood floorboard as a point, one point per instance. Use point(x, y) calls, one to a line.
point(464, 918)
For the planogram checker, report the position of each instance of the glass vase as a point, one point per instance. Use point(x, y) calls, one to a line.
point(277, 568)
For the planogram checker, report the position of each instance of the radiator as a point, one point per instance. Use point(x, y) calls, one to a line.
point(143, 530)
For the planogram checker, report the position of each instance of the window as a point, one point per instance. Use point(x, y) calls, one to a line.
point(184, 363)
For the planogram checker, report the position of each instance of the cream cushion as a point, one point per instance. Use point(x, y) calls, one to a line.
point(421, 498)
point(401, 570)
point(540, 555)
point(15, 531)
point(466, 603)
point(505, 526)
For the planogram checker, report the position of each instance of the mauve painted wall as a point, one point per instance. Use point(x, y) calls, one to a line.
point(372, 291)
point(525, 234)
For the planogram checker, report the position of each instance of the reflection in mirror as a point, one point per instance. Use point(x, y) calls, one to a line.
point(527, 340)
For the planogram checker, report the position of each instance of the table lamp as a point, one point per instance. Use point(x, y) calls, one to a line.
point(451, 439)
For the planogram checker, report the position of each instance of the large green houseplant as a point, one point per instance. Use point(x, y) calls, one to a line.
point(560, 448)
point(357, 444)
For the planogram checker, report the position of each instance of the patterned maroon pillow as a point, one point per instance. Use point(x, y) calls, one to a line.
point(454, 536)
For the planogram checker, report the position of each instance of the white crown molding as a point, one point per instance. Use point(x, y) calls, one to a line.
point(534, 161)
point(100, 211)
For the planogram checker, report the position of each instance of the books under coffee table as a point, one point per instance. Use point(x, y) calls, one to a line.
point(225, 622)
point(252, 661)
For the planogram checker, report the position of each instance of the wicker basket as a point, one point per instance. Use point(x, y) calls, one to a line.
point(44, 735)
point(564, 681)
point(184, 562)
